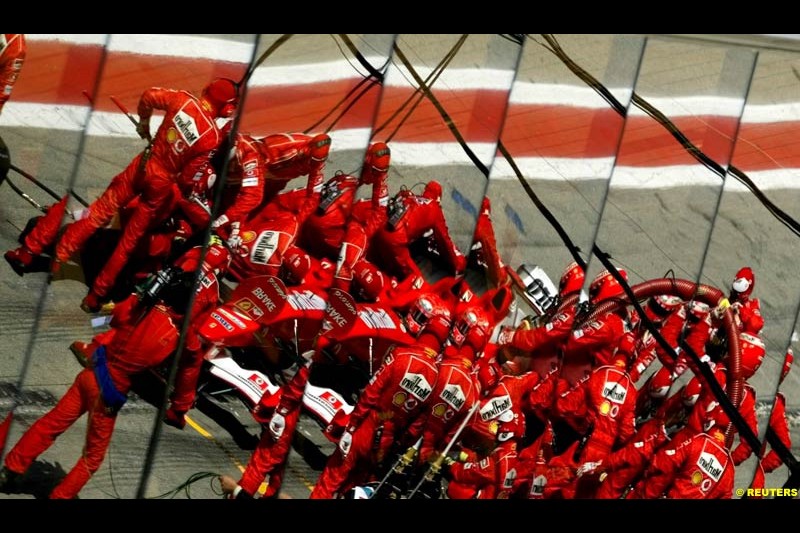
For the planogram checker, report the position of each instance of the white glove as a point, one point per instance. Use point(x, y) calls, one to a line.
point(588, 468)
point(234, 241)
point(345, 442)
point(276, 425)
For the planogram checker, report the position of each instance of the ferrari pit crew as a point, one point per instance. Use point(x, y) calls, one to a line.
point(12, 56)
point(179, 151)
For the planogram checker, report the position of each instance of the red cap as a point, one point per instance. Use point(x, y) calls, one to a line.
point(424, 309)
point(605, 286)
point(296, 264)
point(369, 281)
point(571, 280)
point(471, 327)
point(743, 283)
point(223, 94)
point(488, 373)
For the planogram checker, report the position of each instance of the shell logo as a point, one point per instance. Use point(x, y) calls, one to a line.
point(605, 407)
point(172, 135)
point(697, 477)
point(248, 236)
point(399, 398)
point(244, 305)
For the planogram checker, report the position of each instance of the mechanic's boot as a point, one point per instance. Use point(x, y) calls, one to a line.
point(174, 418)
point(83, 352)
point(7, 480)
point(20, 260)
point(91, 303)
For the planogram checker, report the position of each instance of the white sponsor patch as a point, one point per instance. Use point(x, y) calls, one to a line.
point(511, 475)
point(453, 395)
point(187, 127)
point(250, 182)
point(710, 465)
point(265, 246)
point(495, 406)
point(614, 392)
point(416, 385)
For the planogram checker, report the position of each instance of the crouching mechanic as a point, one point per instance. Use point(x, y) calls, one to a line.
point(411, 217)
point(366, 216)
point(145, 331)
point(492, 477)
point(243, 188)
point(395, 396)
point(182, 147)
point(700, 468)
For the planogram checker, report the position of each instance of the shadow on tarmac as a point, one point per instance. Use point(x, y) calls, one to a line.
point(39, 480)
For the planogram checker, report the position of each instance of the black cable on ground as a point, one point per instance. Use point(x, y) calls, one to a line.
point(430, 80)
point(574, 251)
point(25, 196)
point(338, 104)
point(185, 486)
point(445, 116)
point(268, 52)
point(418, 94)
point(354, 101)
point(44, 187)
point(690, 147)
point(375, 73)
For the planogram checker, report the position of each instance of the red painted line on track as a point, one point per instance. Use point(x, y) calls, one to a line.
point(58, 72)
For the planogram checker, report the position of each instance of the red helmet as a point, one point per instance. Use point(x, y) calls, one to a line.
point(472, 327)
point(605, 286)
point(296, 264)
point(376, 162)
point(571, 280)
point(787, 364)
point(752, 350)
point(433, 190)
point(691, 392)
point(488, 372)
point(423, 310)
point(510, 426)
point(697, 311)
point(319, 146)
point(369, 281)
point(660, 307)
point(715, 416)
point(223, 95)
point(659, 383)
point(743, 283)
point(217, 258)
